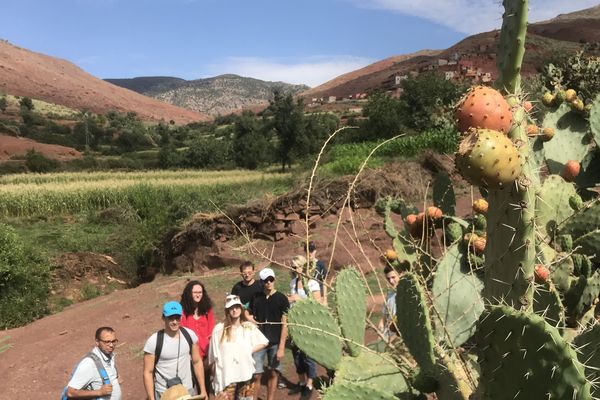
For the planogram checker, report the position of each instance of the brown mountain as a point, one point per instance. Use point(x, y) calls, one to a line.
point(563, 34)
point(35, 75)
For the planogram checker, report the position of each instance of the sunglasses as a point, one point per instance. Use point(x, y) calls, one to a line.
point(269, 280)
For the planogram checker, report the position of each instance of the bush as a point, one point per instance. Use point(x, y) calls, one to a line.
point(36, 162)
point(26, 103)
point(23, 282)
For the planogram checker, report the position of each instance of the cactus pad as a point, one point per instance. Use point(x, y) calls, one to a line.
point(583, 222)
point(413, 320)
point(595, 119)
point(351, 305)
point(569, 142)
point(314, 330)
point(373, 370)
point(523, 357)
point(589, 355)
point(353, 391)
point(552, 203)
point(456, 295)
point(443, 194)
point(546, 302)
point(589, 244)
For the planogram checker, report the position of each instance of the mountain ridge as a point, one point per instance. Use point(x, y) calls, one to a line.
point(221, 94)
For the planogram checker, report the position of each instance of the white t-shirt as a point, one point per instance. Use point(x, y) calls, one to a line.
point(233, 360)
point(389, 312)
point(86, 375)
point(313, 286)
point(172, 363)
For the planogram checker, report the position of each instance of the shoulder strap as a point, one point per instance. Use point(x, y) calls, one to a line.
point(100, 367)
point(187, 337)
point(160, 338)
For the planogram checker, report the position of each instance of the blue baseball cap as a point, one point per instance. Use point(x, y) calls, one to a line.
point(172, 308)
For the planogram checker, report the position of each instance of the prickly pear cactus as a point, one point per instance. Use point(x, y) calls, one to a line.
point(414, 321)
point(523, 357)
point(351, 302)
point(314, 330)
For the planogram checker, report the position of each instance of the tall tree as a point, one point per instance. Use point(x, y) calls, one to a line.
point(251, 145)
point(288, 123)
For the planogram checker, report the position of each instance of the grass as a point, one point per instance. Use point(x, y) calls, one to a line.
point(55, 194)
point(89, 291)
point(4, 345)
point(43, 107)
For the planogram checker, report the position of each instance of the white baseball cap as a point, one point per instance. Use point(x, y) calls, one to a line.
point(265, 273)
point(231, 300)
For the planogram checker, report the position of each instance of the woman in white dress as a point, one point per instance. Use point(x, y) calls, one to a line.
point(230, 352)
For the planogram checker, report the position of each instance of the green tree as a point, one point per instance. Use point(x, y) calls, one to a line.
point(209, 153)
point(251, 144)
point(384, 117)
point(288, 124)
point(427, 101)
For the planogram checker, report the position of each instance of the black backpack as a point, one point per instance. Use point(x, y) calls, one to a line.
point(160, 338)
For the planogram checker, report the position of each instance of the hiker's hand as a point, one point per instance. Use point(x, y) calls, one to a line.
point(280, 354)
point(105, 390)
point(203, 395)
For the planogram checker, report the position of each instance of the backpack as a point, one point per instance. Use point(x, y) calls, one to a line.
point(160, 338)
point(99, 366)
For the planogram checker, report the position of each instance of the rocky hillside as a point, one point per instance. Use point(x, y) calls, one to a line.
point(563, 34)
point(27, 73)
point(218, 95)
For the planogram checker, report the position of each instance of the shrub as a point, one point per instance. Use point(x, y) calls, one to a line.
point(23, 282)
point(26, 103)
point(36, 162)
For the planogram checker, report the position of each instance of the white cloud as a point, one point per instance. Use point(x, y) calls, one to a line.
point(473, 16)
point(311, 71)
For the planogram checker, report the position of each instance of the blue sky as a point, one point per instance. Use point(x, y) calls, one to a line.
point(296, 41)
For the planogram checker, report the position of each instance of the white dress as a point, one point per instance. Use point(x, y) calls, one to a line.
point(232, 361)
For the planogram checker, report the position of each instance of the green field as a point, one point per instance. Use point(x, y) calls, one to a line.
point(25, 195)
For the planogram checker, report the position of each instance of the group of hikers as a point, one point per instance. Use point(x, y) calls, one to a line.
point(228, 358)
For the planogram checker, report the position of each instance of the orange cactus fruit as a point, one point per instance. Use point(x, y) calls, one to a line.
point(391, 255)
point(532, 130)
point(541, 273)
point(480, 206)
point(434, 212)
point(410, 219)
point(570, 170)
point(527, 106)
point(483, 107)
point(479, 245)
point(547, 134)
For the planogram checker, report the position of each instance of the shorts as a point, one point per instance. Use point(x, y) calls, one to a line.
point(270, 353)
point(304, 365)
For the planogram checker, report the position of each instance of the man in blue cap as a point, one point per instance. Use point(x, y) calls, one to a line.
point(171, 357)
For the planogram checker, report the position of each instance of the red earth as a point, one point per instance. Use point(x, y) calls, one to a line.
point(11, 146)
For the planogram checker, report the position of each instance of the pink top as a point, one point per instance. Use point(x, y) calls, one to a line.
point(202, 327)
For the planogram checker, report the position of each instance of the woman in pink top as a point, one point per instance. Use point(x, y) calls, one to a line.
point(198, 314)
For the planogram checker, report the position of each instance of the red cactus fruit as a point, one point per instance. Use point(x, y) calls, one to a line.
point(434, 212)
point(532, 130)
point(541, 273)
point(483, 107)
point(480, 206)
point(547, 134)
point(527, 106)
point(419, 219)
point(570, 170)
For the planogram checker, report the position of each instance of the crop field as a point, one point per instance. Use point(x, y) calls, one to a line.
point(50, 194)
